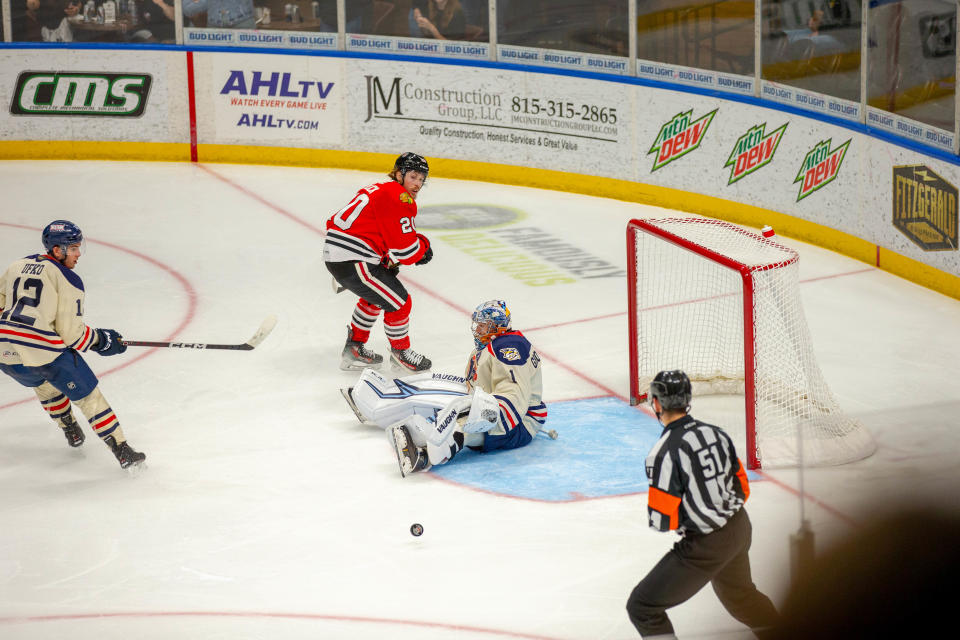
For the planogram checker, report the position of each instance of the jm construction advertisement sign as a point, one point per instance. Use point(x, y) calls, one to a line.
point(527, 119)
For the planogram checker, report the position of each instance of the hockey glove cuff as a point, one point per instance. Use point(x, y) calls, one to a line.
point(428, 254)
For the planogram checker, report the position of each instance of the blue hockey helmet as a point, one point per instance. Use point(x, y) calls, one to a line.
point(490, 319)
point(61, 233)
point(672, 389)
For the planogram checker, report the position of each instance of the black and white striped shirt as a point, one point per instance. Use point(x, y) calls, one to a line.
point(696, 480)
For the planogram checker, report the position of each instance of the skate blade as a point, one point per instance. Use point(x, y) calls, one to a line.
point(353, 365)
point(345, 392)
point(136, 470)
point(397, 450)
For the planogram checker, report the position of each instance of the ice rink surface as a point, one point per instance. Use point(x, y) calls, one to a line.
point(267, 511)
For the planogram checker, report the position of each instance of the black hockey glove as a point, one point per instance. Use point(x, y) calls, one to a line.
point(428, 254)
point(390, 265)
point(109, 342)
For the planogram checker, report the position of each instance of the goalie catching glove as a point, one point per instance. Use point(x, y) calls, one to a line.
point(484, 412)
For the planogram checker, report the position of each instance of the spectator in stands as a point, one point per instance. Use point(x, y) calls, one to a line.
point(222, 14)
point(25, 21)
point(359, 16)
point(50, 19)
point(158, 16)
point(155, 22)
point(442, 20)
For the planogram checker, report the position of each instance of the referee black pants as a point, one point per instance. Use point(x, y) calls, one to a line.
point(720, 558)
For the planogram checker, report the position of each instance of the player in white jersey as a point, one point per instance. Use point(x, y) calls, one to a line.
point(496, 405)
point(42, 335)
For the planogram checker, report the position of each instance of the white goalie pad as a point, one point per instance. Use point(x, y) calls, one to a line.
point(478, 412)
point(386, 401)
point(436, 436)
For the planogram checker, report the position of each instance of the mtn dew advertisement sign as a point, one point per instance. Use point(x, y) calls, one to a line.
point(820, 167)
point(678, 137)
point(752, 151)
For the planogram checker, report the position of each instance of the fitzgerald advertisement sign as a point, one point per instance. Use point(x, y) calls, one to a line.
point(925, 208)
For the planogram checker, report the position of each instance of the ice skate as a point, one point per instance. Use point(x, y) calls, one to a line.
point(410, 360)
point(72, 430)
point(357, 356)
point(410, 457)
point(125, 454)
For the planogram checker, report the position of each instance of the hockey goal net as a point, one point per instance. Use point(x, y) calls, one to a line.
point(723, 304)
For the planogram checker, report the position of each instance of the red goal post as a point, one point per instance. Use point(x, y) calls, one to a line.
point(723, 304)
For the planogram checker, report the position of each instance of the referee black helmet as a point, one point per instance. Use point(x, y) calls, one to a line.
point(672, 389)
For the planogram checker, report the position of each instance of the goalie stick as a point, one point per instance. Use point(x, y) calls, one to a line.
point(265, 328)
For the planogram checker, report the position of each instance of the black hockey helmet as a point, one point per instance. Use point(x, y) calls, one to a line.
point(672, 389)
point(410, 161)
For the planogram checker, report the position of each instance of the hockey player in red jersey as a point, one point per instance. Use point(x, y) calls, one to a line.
point(366, 242)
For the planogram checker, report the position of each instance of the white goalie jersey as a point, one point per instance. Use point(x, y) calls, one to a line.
point(508, 367)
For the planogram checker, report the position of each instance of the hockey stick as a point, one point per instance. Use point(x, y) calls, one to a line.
point(550, 432)
point(265, 328)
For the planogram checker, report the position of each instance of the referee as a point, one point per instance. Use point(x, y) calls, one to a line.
point(697, 488)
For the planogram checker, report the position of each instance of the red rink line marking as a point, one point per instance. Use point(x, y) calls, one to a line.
point(267, 614)
point(192, 107)
point(610, 392)
point(253, 196)
point(187, 319)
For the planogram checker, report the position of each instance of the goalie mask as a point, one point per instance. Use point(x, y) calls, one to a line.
point(672, 389)
point(490, 319)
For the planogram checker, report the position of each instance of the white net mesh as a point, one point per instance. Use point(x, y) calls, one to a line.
point(690, 316)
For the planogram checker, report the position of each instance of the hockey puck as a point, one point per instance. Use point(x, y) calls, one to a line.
point(416, 529)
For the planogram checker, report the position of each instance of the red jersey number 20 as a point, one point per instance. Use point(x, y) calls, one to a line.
point(345, 217)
